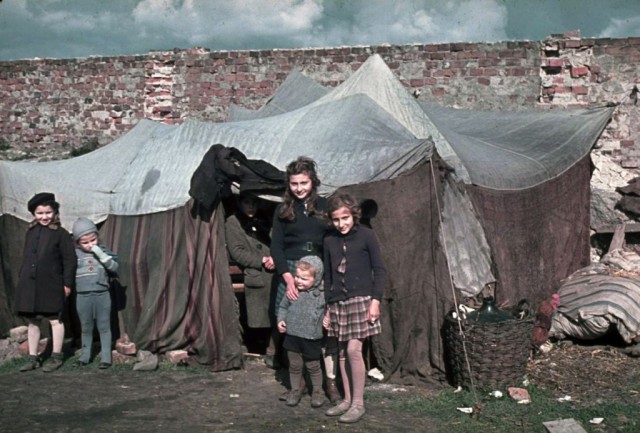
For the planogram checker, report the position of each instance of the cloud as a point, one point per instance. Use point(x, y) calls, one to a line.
point(622, 28)
point(228, 24)
point(371, 22)
point(80, 28)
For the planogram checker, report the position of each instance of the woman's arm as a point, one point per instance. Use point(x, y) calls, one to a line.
point(239, 247)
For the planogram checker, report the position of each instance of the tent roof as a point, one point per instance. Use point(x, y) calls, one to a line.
point(502, 150)
point(368, 128)
point(363, 130)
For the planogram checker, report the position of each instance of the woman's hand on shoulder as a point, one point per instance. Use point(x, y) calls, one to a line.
point(292, 292)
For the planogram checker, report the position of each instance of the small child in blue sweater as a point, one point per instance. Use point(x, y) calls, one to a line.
point(301, 320)
point(93, 301)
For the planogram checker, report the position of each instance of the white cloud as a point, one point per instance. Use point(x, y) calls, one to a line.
point(426, 21)
point(230, 22)
point(622, 28)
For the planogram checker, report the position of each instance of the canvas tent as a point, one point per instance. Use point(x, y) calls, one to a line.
point(465, 198)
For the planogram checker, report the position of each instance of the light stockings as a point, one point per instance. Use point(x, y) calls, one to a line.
point(330, 364)
point(33, 338)
point(57, 335)
point(353, 371)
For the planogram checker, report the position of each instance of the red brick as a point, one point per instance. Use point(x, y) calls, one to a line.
point(580, 90)
point(554, 63)
point(572, 44)
point(627, 143)
point(579, 71)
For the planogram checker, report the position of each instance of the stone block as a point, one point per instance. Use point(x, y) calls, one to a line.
point(126, 348)
point(19, 333)
point(120, 359)
point(520, 395)
point(175, 356)
point(24, 346)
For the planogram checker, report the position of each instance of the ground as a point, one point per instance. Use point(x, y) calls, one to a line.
point(183, 399)
point(587, 373)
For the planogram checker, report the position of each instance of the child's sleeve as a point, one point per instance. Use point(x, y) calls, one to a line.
point(282, 309)
point(112, 264)
point(377, 267)
point(327, 268)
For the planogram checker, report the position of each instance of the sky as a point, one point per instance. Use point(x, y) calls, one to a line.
point(82, 28)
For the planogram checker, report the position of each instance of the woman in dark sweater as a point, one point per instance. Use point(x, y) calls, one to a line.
point(298, 230)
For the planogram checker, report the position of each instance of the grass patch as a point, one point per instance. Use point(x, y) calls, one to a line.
point(504, 415)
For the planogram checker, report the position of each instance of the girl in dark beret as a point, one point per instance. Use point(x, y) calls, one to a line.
point(46, 276)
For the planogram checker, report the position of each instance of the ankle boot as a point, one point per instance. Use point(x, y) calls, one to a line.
point(332, 391)
point(302, 388)
point(293, 398)
point(315, 373)
point(32, 363)
point(53, 363)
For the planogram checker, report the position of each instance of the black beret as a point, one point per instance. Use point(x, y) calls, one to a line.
point(42, 198)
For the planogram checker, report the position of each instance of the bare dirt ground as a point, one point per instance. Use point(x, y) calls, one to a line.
point(118, 400)
point(80, 400)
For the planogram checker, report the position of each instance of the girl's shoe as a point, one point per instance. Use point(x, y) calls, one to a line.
point(53, 363)
point(32, 364)
point(340, 409)
point(79, 363)
point(354, 414)
point(104, 365)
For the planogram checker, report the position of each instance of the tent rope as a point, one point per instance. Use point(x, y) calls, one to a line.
point(453, 291)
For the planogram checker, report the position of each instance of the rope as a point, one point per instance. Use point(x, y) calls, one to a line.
point(453, 292)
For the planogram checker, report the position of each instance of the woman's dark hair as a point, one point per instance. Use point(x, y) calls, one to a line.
point(344, 199)
point(302, 165)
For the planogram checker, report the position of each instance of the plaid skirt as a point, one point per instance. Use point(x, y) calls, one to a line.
point(349, 319)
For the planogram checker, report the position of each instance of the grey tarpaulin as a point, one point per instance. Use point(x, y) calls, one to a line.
point(517, 183)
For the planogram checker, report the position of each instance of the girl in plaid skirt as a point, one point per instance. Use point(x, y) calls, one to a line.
point(354, 281)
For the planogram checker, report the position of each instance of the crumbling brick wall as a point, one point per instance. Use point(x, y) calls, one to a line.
point(50, 107)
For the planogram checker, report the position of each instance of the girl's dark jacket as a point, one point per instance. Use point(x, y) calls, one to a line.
point(48, 265)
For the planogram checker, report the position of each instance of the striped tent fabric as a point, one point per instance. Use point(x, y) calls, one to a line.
point(590, 305)
point(179, 292)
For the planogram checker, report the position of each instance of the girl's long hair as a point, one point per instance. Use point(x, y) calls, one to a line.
point(302, 165)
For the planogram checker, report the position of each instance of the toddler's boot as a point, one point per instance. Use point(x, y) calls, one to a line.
point(32, 363)
point(315, 373)
point(53, 363)
point(294, 397)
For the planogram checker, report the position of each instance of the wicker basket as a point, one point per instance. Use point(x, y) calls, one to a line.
point(498, 352)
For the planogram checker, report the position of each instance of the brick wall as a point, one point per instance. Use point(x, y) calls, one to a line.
point(50, 107)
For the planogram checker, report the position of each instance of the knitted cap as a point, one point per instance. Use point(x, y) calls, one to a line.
point(40, 199)
point(317, 265)
point(83, 226)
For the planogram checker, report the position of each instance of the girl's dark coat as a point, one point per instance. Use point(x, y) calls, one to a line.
point(49, 264)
